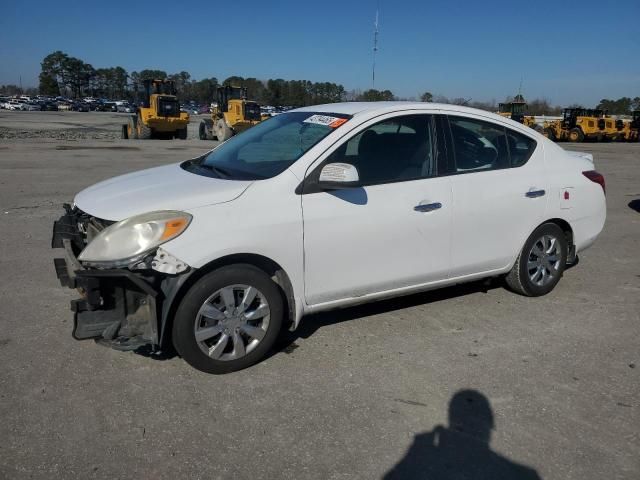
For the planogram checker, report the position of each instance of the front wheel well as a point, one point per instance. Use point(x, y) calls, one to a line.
point(270, 267)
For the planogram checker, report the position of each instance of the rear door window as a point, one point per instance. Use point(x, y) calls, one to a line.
point(478, 145)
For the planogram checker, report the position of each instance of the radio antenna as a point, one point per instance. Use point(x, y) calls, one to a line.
point(375, 47)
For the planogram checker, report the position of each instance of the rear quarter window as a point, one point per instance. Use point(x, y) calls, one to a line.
point(521, 147)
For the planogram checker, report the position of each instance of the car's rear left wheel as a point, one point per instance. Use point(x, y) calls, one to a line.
point(229, 319)
point(541, 262)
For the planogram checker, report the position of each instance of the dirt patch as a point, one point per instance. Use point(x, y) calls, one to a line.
point(100, 147)
point(63, 134)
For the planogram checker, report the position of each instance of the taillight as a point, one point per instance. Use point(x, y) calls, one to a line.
point(595, 177)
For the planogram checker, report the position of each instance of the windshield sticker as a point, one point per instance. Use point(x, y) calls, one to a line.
point(326, 120)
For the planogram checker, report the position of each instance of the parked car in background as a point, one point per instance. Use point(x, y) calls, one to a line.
point(322, 207)
point(15, 104)
point(33, 106)
point(64, 106)
point(106, 107)
point(48, 106)
point(80, 107)
point(126, 108)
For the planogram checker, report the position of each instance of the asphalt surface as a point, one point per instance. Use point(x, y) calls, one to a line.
point(359, 393)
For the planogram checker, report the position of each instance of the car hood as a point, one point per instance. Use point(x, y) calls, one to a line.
point(161, 188)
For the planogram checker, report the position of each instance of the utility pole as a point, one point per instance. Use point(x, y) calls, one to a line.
point(375, 47)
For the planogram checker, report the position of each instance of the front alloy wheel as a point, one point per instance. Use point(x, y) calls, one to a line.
point(229, 319)
point(232, 322)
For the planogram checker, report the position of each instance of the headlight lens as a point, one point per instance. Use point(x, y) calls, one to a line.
point(129, 239)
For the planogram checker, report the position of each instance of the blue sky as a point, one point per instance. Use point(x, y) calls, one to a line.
point(565, 51)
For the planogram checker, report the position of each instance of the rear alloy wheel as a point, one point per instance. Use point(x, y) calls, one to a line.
point(541, 262)
point(229, 319)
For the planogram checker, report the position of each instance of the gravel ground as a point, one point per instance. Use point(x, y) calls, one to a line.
point(358, 393)
point(16, 125)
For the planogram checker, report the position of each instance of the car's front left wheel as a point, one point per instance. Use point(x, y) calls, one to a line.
point(229, 319)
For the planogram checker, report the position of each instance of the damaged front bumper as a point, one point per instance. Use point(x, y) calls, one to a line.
point(121, 308)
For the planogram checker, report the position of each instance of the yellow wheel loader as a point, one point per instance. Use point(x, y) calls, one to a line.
point(578, 125)
point(233, 114)
point(516, 111)
point(159, 116)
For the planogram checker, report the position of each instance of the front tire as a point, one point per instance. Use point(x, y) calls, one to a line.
point(229, 319)
point(576, 135)
point(144, 132)
point(548, 132)
point(541, 262)
point(224, 133)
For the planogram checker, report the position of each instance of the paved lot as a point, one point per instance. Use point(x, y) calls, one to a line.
point(359, 393)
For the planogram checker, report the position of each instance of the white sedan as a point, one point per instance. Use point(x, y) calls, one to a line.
point(321, 207)
point(15, 105)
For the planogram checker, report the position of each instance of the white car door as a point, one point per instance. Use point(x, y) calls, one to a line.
point(390, 232)
point(500, 191)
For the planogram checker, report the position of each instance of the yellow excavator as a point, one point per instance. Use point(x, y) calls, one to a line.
point(159, 116)
point(232, 114)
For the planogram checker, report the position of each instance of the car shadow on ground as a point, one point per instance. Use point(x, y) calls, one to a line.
point(460, 450)
point(286, 343)
point(635, 205)
point(312, 323)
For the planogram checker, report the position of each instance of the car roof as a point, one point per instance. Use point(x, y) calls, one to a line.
point(355, 108)
point(373, 109)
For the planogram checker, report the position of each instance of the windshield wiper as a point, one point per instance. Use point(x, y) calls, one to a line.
point(220, 172)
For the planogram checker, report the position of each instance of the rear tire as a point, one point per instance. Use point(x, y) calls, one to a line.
point(202, 131)
point(182, 133)
point(541, 262)
point(231, 336)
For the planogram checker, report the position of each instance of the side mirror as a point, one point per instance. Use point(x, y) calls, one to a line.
point(334, 176)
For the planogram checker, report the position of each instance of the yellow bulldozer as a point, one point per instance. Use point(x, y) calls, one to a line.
point(232, 114)
point(516, 110)
point(160, 115)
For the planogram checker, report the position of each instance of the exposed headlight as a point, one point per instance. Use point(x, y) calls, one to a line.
point(131, 239)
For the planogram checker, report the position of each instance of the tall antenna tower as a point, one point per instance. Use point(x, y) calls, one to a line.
point(375, 47)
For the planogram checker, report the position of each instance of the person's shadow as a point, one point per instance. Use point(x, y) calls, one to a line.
point(461, 450)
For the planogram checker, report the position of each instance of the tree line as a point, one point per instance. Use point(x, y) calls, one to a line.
point(62, 74)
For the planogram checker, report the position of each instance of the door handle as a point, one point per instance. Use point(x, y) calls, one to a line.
point(534, 193)
point(429, 207)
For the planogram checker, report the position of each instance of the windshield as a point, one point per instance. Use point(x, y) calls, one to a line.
point(267, 149)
